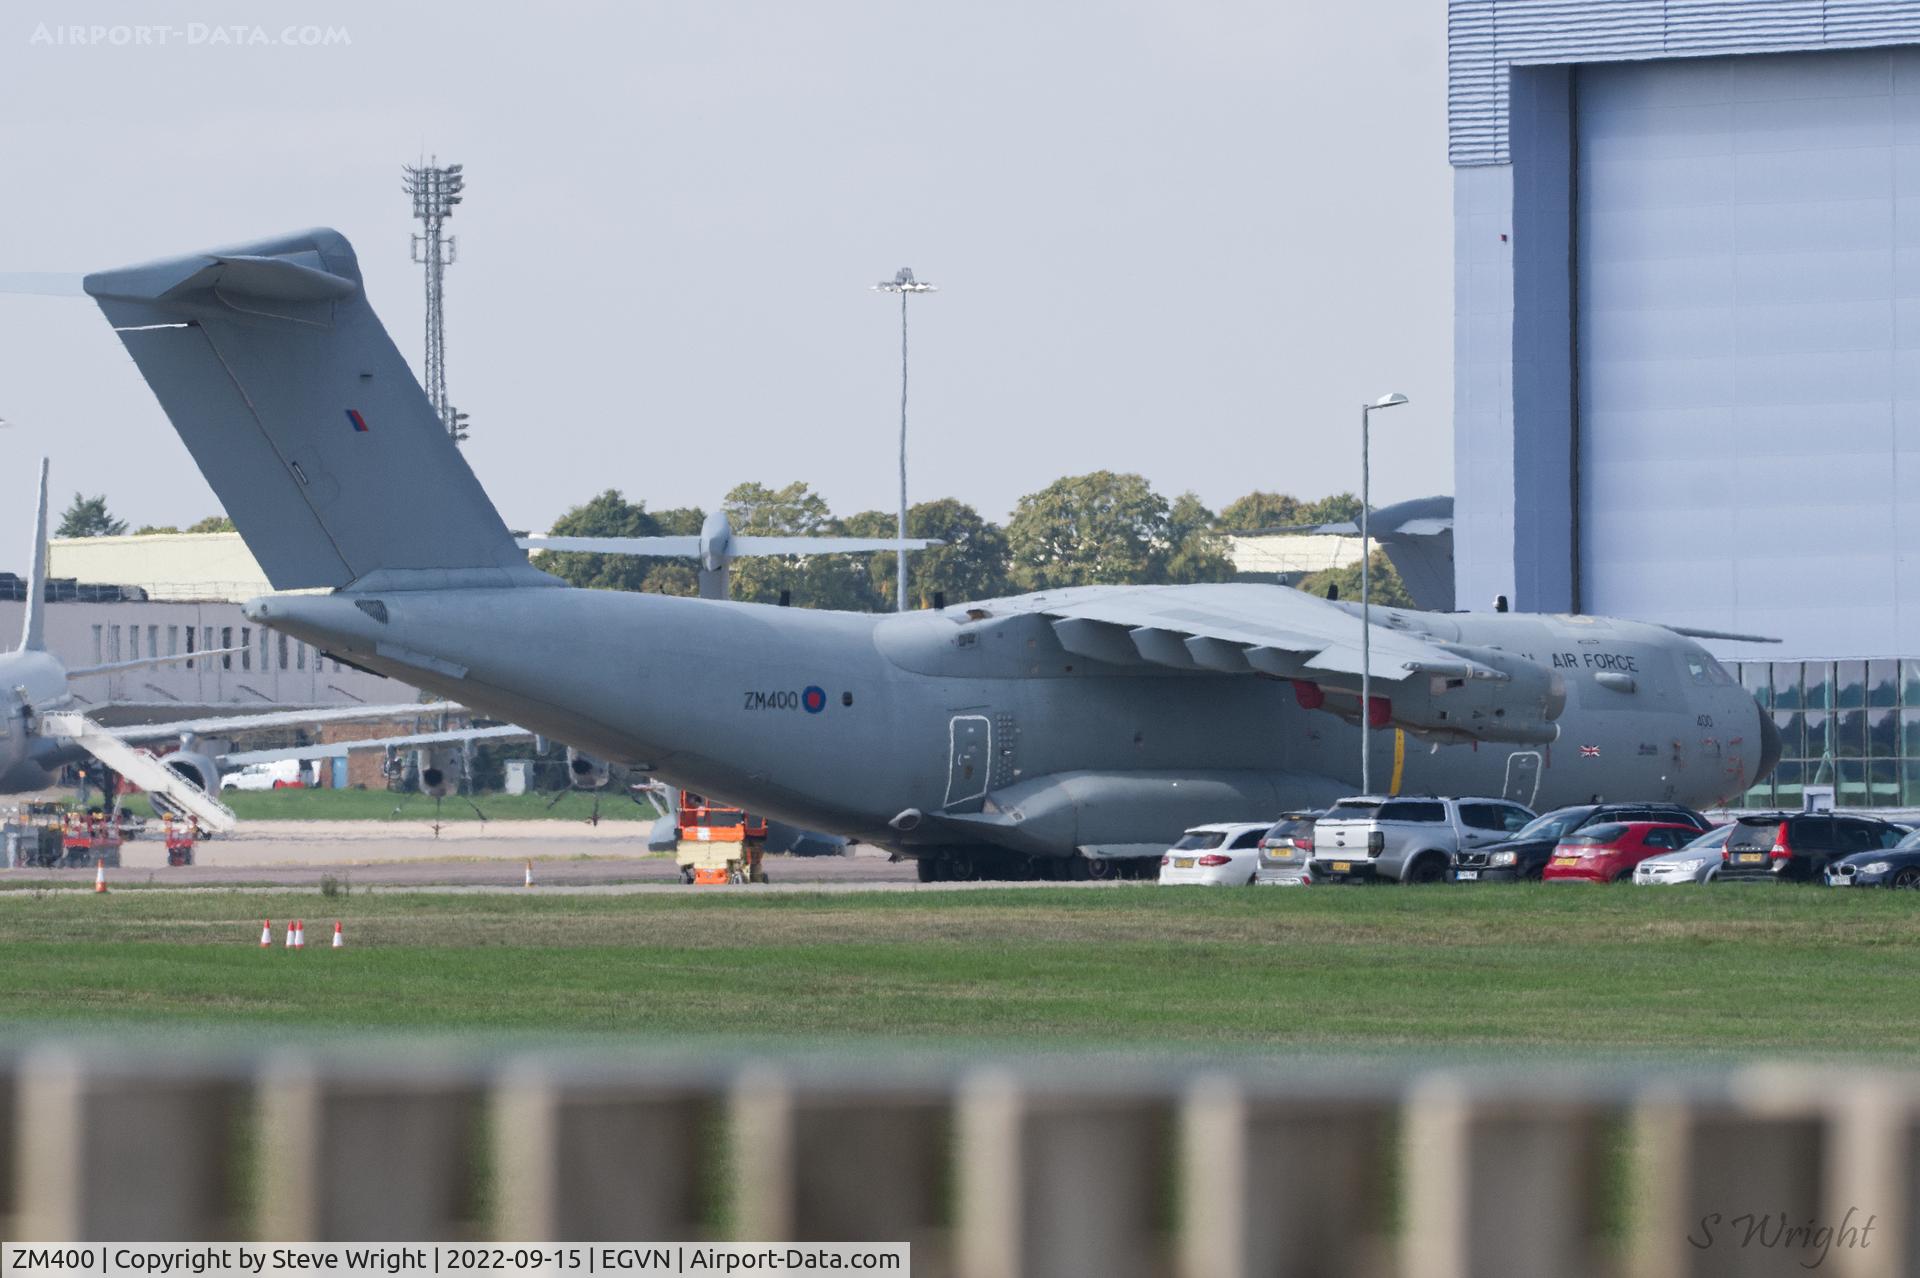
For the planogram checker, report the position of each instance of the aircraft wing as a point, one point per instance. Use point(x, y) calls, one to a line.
point(331, 748)
point(279, 719)
point(615, 545)
point(736, 545)
point(825, 545)
point(1237, 627)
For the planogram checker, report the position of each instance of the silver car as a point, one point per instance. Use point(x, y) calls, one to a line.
point(1697, 862)
point(1285, 849)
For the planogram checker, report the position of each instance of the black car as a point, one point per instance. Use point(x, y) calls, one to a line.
point(1897, 866)
point(1525, 854)
point(1797, 847)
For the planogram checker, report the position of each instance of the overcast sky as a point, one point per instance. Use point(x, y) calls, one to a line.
point(1185, 238)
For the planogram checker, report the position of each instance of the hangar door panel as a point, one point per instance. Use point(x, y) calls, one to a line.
point(1748, 310)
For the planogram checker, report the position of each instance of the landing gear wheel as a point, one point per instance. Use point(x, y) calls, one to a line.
point(1102, 868)
point(1907, 878)
point(927, 868)
point(686, 874)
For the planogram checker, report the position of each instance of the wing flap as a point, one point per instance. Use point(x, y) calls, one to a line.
point(1096, 639)
point(1237, 627)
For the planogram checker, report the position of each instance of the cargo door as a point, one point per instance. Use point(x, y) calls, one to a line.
point(969, 760)
point(1523, 777)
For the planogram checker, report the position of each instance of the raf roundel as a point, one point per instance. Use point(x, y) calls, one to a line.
point(814, 699)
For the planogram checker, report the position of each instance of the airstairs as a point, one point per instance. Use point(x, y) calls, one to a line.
point(167, 787)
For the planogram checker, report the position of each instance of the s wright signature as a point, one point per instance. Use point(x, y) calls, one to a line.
point(1774, 1231)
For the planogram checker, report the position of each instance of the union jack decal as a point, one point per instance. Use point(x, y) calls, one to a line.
point(1589, 752)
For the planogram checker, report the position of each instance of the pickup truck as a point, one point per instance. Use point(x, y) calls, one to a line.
point(1370, 837)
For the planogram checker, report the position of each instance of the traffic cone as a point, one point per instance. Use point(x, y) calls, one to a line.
point(299, 935)
point(266, 934)
point(529, 879)
point(99, 876)
point(339, 942)
point(291, 933)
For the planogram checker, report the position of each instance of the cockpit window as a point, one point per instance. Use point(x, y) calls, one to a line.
point(1703, 669)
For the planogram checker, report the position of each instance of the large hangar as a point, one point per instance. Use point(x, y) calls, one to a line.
point(1687, 343)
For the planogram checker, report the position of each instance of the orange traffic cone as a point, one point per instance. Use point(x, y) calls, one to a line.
point(299, 935)
point(99, 876)
point(339, 942)
point(291, 934)
point(529, 879)
point(266, 934)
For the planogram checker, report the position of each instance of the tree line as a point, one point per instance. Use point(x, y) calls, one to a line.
point(1103, 528)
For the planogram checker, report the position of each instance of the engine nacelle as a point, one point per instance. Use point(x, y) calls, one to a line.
point(439, 769)
point(195, 767)
point(1519, 709)
point(584, 772)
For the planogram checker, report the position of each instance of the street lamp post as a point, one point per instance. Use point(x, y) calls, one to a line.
point(904, 284)
point(1366, 592)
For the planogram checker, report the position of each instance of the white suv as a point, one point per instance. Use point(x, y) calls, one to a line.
point(1220, 854)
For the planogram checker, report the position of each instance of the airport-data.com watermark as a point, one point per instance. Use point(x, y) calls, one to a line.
point(203, 35)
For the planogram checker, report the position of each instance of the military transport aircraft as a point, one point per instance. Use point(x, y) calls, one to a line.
point(1060, 733)
point(40, 732)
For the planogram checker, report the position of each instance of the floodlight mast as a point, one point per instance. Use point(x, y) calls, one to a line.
point(435, 190)
point(905, 285)
point(1393, 400)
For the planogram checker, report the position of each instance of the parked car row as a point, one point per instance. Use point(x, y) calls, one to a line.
point(1371, 838)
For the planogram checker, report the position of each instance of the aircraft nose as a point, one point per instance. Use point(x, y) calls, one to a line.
point(1769, 744)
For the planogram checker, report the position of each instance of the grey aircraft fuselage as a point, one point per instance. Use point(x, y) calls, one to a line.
point(31, 680)
point(973, 725)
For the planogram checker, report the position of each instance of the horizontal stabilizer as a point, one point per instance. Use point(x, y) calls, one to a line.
point(299, 277)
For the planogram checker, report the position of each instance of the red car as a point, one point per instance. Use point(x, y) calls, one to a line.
point(1607, 853)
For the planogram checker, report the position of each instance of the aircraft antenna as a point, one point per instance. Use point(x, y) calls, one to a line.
point(435, 190)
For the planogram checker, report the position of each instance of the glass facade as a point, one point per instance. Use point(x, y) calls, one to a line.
point(1853, 725)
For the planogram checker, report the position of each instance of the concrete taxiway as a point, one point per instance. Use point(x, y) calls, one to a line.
point(565, 854)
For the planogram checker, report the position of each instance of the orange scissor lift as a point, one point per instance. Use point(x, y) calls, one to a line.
point(718, 844)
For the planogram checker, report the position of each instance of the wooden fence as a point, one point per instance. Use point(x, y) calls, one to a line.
point(1042, 1170)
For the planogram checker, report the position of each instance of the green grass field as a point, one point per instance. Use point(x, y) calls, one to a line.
point(1560, 971)
point(379, 805)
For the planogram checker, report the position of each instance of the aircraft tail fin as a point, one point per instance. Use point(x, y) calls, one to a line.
point(33, 633)
point(306, 420)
